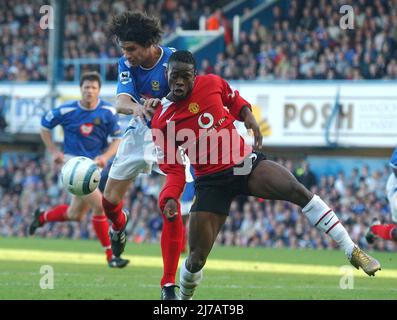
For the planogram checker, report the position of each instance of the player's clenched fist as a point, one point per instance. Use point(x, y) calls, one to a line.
point(150, 106)
point(171, 209)
point(101, 161)
point(57, 157)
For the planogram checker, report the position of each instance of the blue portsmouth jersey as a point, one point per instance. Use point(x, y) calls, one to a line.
point(86, 131)
point(139, 82)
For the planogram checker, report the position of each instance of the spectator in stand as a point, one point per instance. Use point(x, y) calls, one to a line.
point(23, 54)
point(310, 31)
point(304, 41)
point(217, 20)
point(305, 175)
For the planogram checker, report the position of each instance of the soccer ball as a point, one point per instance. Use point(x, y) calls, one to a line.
point(80, 176)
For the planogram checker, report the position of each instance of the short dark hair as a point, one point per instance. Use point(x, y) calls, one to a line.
point(183, 56)
point(90, 76)
point(136, 26)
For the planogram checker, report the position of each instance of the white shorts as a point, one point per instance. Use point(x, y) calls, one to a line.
point(136, 153)
point(185, 207)
point(391, 190)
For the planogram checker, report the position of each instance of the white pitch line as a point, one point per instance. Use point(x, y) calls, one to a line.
point(212, 264)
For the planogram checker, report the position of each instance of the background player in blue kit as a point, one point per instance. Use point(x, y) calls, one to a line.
point(387, 231)
point(141, 76)
point(87, 124)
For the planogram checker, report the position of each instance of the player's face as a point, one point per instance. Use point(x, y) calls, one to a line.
point(90, 93)
point(134, 53)
point(180, 77)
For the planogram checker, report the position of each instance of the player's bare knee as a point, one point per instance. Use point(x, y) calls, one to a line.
point(107, 194)
point(196, 261)
point(73, 215)
point(98, 212)
point(111, 196)
point(299, 194)
point(394, 234)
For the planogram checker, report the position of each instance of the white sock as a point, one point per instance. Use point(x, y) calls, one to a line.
point(188, 281)
point(325, 219)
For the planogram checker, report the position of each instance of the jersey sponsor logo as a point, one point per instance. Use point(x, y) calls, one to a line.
point(194, 107)
point(86, 129)
point(206, 120)
point(49, 116)
point(155, 85)
point(125, 77)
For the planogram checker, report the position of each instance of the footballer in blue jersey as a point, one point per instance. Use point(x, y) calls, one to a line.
point(87, 124)
point(387, 231)
point(86, 131)
point(141, 75)
point(142, 83)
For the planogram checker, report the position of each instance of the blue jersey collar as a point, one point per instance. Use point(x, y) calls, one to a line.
point(86, 109)
point(157, 62)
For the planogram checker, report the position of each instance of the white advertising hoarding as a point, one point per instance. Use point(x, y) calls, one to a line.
point(290, 113)
point(297, 114)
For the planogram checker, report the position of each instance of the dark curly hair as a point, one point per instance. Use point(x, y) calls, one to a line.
point(184, 56)
point(135, 26)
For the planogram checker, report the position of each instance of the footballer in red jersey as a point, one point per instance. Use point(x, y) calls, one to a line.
point(198, 102)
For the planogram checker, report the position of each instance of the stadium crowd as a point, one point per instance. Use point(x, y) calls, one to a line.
point(304, 42)
point(24, 44)
point(356, 198)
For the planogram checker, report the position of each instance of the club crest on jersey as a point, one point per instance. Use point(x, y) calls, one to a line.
point(125, 77)
point(155, 85)
point(86, 129)
point(97, 121)
point(194, 107)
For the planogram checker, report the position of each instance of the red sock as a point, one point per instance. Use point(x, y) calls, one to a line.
point(101, 227)
point(114, 214)
point(384, 231)
point(57, 213)
point(171, 245)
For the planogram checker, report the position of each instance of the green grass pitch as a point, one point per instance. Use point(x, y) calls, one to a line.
point(80, 272)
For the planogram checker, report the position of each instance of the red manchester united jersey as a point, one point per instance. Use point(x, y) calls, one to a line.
point(201, 127)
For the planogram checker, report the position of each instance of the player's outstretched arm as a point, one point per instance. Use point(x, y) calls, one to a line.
point(150, 106)
point(102, 159)
point(250, 123)
point(172, 189)
point(57, 156)
point(125, 105)
point(241, 110)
